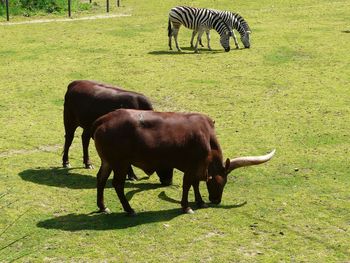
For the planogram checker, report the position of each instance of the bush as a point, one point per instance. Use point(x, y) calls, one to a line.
point(30, 7)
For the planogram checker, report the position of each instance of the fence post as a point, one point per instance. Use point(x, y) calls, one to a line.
point(7, 11)
point(118, 3)
point(69, 8)
point(107, 6)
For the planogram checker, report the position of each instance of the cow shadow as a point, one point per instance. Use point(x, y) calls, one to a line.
point(59, 177)
point(100, 221)
point(94, 221)
point(166, 198)
point(67, 178)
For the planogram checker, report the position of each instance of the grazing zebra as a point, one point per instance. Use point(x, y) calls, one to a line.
point(234, 21)
point(200, 20)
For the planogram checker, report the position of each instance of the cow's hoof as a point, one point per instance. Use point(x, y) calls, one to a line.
point(132, 178)
point(89, 166)
point(188, 210)
point(105, 211)
point(166, 182)
point(66, 165)
point(131, 213)
point(202, 205)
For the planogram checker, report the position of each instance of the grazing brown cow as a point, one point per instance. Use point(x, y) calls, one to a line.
point(85, 101)
point(154, 140)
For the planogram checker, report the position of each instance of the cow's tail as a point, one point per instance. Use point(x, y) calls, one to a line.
point(169, 28)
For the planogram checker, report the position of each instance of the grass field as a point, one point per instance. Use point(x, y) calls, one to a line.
point(289, 91)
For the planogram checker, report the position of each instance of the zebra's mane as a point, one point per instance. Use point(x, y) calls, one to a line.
point(243, 23)
point(214, 13)
point(240, 22)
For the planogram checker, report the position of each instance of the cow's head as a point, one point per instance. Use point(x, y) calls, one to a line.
point(217, 173)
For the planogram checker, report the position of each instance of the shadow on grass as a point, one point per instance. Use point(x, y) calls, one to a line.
point(94, 221)
point(345, 31)
point(191, 51)
point(166, 198)
point(59, 177)
point(77, 222)
point(63, 177)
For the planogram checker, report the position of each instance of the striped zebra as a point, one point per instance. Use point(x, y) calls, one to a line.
point(200, 20)
point(234, 21)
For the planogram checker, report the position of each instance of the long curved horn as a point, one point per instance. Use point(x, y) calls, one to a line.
point(248, 160)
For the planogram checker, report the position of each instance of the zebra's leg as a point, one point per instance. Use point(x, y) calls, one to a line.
point(208, 38)
point(175, 33)
point(200, 33)
point(201, 43)
point(170, 47)
point(235, 39)
point(194, 32)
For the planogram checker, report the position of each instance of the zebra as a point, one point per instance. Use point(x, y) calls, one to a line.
point(234, 21)
point(200, 20)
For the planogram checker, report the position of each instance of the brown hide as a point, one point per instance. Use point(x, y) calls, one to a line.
point(85, 101)
point(153, 140)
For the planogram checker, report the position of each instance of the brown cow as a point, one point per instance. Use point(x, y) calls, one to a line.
point(154, 140)
point(85, 101)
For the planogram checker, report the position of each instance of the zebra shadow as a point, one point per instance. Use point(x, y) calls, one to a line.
point(189, 49)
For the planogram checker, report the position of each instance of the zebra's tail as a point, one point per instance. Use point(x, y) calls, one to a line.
point(169, 28)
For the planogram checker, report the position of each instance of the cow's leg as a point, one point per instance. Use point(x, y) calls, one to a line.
point(102, 176)
point(119, 183)
point(165, 176)
point(131, 175)
point(197, 194)
point(69, 126)
point(186, 185)
point(85, 138)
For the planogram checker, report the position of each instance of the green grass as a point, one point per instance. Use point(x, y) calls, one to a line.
point(290, 91)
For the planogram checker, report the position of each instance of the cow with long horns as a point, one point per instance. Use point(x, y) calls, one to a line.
point(163, 140)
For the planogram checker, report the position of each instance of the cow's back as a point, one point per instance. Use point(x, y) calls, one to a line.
point(86, 101)
point(153, 140)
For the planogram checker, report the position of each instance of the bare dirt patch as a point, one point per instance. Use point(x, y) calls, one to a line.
point(38, 21)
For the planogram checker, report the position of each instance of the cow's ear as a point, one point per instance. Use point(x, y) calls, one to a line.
point(227, 164)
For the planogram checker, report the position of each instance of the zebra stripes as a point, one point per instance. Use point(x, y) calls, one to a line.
point(234, 21)
point(200, 20)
